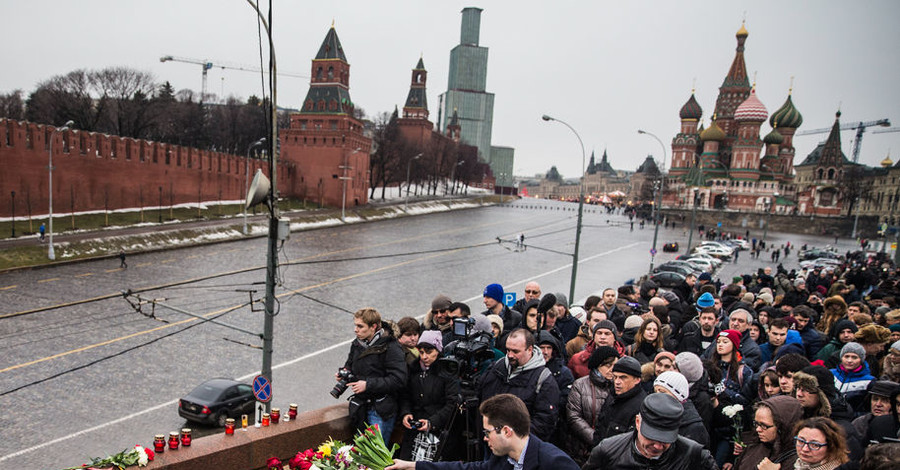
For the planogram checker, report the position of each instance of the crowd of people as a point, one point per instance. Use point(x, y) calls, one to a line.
point(772, 370)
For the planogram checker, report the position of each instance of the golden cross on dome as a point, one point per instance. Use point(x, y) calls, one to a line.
point(791, 89)
point(693, 85)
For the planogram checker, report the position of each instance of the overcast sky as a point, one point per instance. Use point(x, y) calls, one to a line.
point(607, 68)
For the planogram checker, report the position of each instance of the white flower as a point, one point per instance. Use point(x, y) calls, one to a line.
point(143, 458)
point(731, 411)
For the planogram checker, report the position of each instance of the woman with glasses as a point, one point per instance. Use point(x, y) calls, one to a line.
point(820, 444)
point(769, 443)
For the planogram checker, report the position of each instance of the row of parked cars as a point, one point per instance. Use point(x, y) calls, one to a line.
point(707, 257)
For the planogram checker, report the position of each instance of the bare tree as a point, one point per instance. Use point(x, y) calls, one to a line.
point(12, 106)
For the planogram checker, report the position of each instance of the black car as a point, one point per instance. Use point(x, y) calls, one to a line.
point(215, 400)
point(671, 247)
point(674, 268)
point(667, 279)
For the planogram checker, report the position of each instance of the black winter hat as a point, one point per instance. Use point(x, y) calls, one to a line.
point(883, 388)
point(600, 355)
point(825, 379)
point(842, 325)
point(629, 365)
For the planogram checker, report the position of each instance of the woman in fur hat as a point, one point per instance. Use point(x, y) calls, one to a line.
point(835, 309)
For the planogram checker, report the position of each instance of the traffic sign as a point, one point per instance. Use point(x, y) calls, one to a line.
point(262, 389)
point(509, 299)
point(653, 251)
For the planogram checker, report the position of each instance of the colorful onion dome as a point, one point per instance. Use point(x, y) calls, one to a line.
point(751, 109)
point(787, 115)
point(887, 162)
point(691, 109)
point(713, 132)
point(773, 137)
point(742, 32)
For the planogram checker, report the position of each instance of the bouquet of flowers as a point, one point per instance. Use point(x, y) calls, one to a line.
point(370, 450)
point(331, 455)
point(138, 455)
point(734, 412)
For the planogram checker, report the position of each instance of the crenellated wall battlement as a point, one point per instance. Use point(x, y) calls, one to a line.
point(93, 171)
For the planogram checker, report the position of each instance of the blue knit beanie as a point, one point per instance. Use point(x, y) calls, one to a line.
point(494, 291)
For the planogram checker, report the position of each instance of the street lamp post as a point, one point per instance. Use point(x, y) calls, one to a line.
point(160, 204)
point(769, 204)
point(696, 191)
point(856, 218)
point(13, 193)
point(580, 208)
point(408, 168)
point(344, 178)
point(658, 197)
point(258, 143)
point(50, 253)
point(453, 176)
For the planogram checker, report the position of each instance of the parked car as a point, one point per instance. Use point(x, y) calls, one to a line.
point(718, 252)
point(684, 264)
point(667, 279)
point(673, 268)
point(819, 263)
point(712, 259)
point(216, 400)
point(815, 253)
point(671, 247)
point(702, 264)
point(721, 245)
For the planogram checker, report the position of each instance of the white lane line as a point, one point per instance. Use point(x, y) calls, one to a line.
point(278, 366)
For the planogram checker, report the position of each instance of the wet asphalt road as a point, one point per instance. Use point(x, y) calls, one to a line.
point(97, 377)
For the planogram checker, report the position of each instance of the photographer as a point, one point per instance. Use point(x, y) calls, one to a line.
point(428, 401)
point(523, 373)
point(378, 370)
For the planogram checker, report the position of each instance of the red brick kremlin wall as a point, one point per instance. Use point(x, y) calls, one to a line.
point(95, 168)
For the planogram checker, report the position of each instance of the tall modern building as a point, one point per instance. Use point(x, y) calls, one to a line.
point(466, 97)
point(466, 87)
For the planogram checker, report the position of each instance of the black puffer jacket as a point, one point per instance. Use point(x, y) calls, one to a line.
point(383, 366)
point(620, 453)
point(618, 413)
point(429, 395)
point(542, 404)
point(692, 426)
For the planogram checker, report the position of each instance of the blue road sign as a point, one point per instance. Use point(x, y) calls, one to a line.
point(262, 389)
point(653, 251)
point(509, 299)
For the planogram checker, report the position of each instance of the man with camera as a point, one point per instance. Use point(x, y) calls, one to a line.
point(375, 371)
point(507, 433)
point(524, 374)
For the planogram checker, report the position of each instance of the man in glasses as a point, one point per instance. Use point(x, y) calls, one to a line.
point(506, 431)
point(532, 292)
point(438, 318)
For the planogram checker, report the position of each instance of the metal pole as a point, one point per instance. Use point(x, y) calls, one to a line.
point(580, 207)
point(346, 166)
point(693, 221)
point(408, 168)
point(658, 198)
point(13, 213)
point(856, 218)
point(50, 253)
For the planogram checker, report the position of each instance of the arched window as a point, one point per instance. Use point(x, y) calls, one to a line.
point(331, 73)
point(821, 173)
point(831, 173)
point(319, 73)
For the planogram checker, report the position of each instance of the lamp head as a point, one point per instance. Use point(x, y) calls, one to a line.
point(68, 125)
point(546, 118)
point(641, 131)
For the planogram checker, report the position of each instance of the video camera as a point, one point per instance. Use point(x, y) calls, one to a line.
point(468, 349)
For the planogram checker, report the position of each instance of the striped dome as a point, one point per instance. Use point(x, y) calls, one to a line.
point(713, 132)
point(787, 115)
point(691, 109)
point(751, 109)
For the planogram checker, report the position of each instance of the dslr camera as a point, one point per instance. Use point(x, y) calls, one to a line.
point(345, 377)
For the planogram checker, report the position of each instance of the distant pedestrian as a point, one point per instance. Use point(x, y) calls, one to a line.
point(122, 263)
point(632, 226)
point(736, 253)
point(43, 230)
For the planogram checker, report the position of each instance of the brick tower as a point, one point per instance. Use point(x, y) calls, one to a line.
point(325, 141)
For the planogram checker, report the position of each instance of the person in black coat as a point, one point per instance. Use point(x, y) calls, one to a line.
point(886, 428)
point(523, 373)
point(506, 431)
point(429, 399)
point(619, 411)
point(379, 366)
point(691, 425)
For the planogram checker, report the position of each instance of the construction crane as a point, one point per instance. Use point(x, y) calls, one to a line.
point(859, 127)
point(206, 65)
point(885, 131)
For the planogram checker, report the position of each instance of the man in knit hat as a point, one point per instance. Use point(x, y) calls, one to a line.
point(604, 334)
point(567, 324)
point(493, 300)
point(841, 333)
point(851, 376)
point(619, 412)
point(438, 318)
point(675, 384)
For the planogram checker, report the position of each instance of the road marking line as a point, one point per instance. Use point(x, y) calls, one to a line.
point(167, 260)
point(84, 275)
point(143, 265)
point(9, 287)
point(277, 366)
point(113, 270)
point(49, 280)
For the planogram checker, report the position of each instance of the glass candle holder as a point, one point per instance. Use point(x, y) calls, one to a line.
point(292, 411)
point(186, 437)
point(173, 440)
point(159, 443)
point(229, 427)
point(244, 422)
point(265, 419)
point(275, 415)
